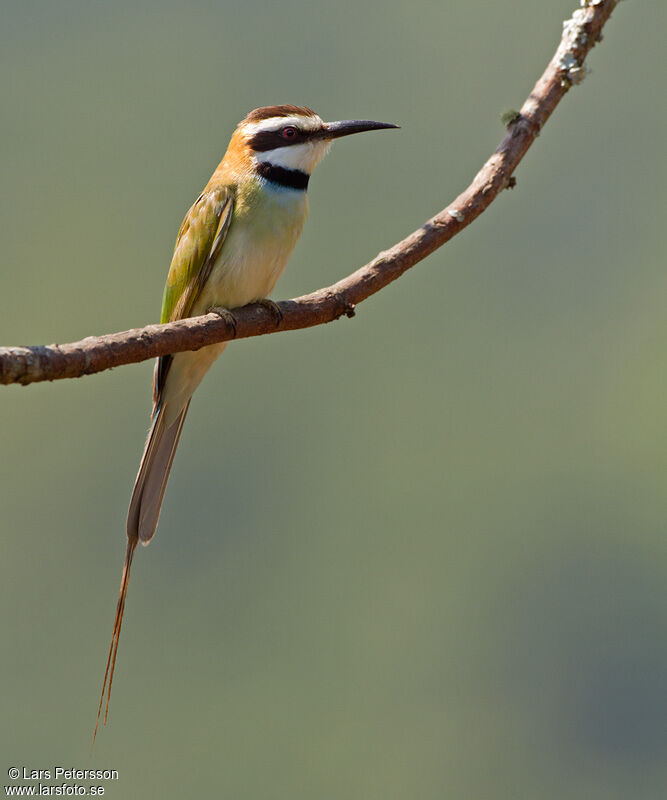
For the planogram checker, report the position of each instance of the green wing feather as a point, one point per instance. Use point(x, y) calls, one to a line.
point(198, 245)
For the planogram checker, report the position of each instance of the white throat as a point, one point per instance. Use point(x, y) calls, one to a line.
point(304, 157)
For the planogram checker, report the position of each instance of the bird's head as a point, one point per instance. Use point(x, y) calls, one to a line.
point(292, 138)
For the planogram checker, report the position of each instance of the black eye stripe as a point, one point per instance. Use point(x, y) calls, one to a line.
point(269, 140)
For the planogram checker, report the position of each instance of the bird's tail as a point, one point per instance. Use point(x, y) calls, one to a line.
point(153, 473)
point(142, 520)
point(113, 647)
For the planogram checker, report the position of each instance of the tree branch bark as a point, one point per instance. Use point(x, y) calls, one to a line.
point(25, 365)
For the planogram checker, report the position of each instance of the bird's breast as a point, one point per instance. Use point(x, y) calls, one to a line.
point(264, 230)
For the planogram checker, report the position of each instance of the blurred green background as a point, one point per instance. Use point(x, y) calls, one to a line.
point(420, 554)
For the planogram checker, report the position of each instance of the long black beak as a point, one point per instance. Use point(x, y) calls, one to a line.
point(334, 130)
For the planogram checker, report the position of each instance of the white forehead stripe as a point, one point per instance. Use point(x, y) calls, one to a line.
point(276, 123)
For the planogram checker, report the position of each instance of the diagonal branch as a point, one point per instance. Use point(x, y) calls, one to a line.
point(96, 353)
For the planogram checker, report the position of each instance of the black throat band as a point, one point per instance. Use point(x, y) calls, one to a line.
point(289, 178)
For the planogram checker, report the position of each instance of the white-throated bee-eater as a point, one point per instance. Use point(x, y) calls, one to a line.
point(231, 249)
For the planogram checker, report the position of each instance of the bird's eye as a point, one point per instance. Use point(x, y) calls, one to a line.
point(289, 132)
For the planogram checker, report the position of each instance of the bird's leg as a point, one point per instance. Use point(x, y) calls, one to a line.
point(226, 314)
point(274, 308)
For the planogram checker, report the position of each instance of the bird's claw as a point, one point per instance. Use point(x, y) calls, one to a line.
point(225, 314)
point(274, 308)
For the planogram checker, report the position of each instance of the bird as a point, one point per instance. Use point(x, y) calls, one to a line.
point(232, 247)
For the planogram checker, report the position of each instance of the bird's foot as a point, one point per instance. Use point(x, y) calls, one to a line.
point(274, 308)
point(225, 314)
